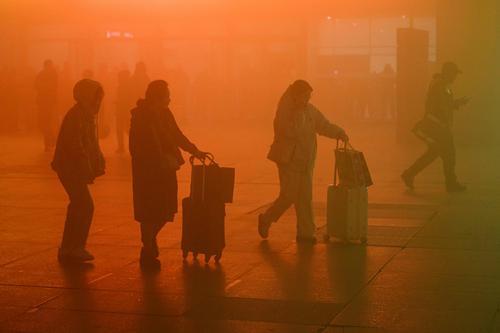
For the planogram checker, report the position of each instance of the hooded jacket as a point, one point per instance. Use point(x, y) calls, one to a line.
point(77, 152)
point(295, 133)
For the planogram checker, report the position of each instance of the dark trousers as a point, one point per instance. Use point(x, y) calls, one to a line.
point(121, 127)
point(445, 149)
point(46, 120)
point(79, 214)
point(149, 232)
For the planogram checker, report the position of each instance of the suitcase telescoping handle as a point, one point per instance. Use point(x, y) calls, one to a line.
point(335, 169)
point(211, 159)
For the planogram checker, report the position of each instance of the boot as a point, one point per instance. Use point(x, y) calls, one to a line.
point(75, 255)
point(263, 227)
point(408, 179)
point(148, 261)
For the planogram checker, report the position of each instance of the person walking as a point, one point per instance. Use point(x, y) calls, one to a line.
point(440, 107)
point(296, 125)
point(78, 161)
point(46, 100)
point(155, 141)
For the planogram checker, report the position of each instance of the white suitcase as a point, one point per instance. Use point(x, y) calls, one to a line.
point(347, 213)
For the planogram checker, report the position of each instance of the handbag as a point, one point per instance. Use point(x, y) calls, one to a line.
point(211, 182)
point(352, 167)
point(430, 129)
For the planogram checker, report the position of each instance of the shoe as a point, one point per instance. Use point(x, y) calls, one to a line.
point(263, 227)
point(148, 261)
point(306, 240)
point(76, 255)
point(455, 187)
point(408, 180)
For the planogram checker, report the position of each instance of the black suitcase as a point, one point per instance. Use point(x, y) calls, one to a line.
point(203, 228)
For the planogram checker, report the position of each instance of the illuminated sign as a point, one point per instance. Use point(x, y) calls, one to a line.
point(119, 34)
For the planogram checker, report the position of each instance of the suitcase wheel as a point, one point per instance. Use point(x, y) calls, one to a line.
point(185, 254)
point(207, 258)
point(217, 257)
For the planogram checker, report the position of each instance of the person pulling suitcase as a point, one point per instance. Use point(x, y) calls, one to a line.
point(296, 125)
point(155, 143)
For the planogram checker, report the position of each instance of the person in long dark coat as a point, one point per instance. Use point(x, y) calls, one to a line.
point(78, 160)
point(155, 142)
point(124, 102)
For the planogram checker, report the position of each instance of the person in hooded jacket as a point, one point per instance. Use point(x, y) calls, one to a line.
point(441, 104)
point(155, 141)
point(78, 160)
point(296, 125)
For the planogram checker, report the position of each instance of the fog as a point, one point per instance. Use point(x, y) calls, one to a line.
point(228, 62)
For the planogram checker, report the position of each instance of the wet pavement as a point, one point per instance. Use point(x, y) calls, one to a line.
point(432, 262)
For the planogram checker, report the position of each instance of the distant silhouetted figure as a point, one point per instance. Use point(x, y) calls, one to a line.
point(139, 80)
point(88, 74)
point(387, 81)
point(296, 124)
point(78, 161)
point(155, 140)
point(441, 105)
point(124, 102)
point(46, 100)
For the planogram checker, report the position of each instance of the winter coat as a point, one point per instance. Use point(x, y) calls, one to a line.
point(77, 154)
point(154, 143)
point(295, 132)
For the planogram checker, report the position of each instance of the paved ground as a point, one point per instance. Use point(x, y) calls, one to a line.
point(432, 263)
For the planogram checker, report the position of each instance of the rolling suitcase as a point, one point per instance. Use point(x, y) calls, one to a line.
point(347, 207)
point(347, 213)
point(203, 229)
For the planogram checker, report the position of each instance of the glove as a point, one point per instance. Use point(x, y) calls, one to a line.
point(343, 136)
point(200, 154)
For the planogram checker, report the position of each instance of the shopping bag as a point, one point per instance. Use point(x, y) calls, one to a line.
point(430, 129)
point(211, 182)
point(352, 167)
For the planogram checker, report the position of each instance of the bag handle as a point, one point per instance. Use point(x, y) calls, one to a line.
point(209, 156)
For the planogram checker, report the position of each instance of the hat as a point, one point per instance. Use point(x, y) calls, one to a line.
point(450, 68)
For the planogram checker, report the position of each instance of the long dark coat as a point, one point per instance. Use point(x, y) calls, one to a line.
point(155, 140)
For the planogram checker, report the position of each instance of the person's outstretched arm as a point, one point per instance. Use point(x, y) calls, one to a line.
point(325, 128)
point(181, 140)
